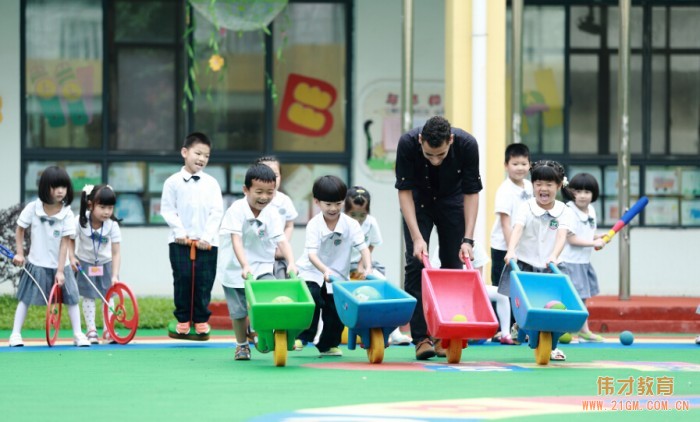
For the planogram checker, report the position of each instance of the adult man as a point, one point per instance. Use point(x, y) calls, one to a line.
point(437, 175)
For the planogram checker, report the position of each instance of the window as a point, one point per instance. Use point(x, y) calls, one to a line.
point(664, 101)
point(104, 88)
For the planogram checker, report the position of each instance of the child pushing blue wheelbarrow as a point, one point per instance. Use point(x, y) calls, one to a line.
point(372, 309)
point(545, 306)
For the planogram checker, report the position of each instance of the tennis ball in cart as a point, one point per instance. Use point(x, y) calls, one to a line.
point(282, 299)
point(626, 338)
point(555, 304)
point(565, 338)
point(365, 293)
point(459, 318)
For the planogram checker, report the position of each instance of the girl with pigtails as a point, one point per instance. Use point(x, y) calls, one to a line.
point(540, 229)
point(97, 250)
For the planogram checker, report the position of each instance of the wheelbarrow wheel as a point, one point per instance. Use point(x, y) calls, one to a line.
point(454, 351)
point(280, 348)
point(544, 348)
point(375, 352)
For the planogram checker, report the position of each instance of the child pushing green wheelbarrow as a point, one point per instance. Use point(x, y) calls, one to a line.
point(279, 311)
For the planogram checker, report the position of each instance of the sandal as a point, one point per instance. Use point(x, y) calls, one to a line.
point(92, 337)
point(557, 355)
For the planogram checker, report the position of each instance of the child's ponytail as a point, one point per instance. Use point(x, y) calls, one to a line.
point(87, 190)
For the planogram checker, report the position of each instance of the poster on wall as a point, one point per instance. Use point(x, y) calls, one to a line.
point(130, 209)
point(611, 181)
point(612, 211)
point(690, 182)
point(158, 173)
point(127, 177)
point(84, 174)
point(690, 212)
point(380, 116)
point(237, 178)
point(662, 211)
point(662, 181)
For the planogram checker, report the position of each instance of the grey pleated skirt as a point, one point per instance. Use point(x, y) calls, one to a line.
point(584, 279)
point(29, 293)
point(102, 282)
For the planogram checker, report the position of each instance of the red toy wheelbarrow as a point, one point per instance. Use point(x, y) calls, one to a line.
point(456, 307)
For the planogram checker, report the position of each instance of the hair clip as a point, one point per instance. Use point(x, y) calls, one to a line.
point(110, 188)
point(565, 182)
point(88, 189)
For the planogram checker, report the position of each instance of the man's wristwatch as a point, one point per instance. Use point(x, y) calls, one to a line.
point(468, 240)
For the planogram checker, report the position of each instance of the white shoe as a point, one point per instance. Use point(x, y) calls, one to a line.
point(16, 340)
point(398, 338)
point(80, 340)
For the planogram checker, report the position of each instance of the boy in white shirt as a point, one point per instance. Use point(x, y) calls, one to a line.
point(192, 206)
point(512, 192)
point(250, 233)
point(330, 237)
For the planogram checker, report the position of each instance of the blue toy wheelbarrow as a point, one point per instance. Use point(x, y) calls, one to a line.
point(373, 319)
point(530, 293)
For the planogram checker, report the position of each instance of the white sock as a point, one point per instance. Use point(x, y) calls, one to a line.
point(89, 313)
point(502, 308)
point(74, 316)
point(20, 315)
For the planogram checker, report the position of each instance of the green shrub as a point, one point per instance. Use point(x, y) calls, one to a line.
point(154, 312)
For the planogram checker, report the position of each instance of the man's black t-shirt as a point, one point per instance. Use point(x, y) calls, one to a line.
point(458, 173)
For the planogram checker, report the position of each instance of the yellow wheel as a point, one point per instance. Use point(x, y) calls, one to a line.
point(454, 351)
point(544, 348)
point(375, 352)
point(280, 348)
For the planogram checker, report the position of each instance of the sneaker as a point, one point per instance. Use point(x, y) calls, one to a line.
point(697, 340)
point(557, 355)
point(182, 327)
point(398, 338)
point(425, 349)
point(508, 340)
point(202, 328)
point(107, 338)
point(79, 340)
point(242, 352)
point(92, 337)
point(439, 350)
point(16, 340)
point(589, 337)
point(298, 345)
point(333, 351)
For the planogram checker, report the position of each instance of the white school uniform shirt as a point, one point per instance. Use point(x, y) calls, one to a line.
point(333, 248)
point(45, 236)
point(96, 250)
point(509, 197)
point(583, 226)
point(540, 228)
point(284, 206)
point(192, 209)
point(373, 237)
point(260, 238)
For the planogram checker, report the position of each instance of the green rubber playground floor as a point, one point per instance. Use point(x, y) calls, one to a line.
point(157, 378)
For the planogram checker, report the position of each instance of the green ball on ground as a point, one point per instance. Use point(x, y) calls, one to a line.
point(555, 304)
point(365, 293)
point(626, 338)
point(565, 338)
point(282, 299)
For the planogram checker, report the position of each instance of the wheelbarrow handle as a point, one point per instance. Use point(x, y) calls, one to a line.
point(371, 277)
point(5, 251)
point(554, 268)
point(468, 263)
point(292, 275)
point(514, 265)
point(426, 262)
